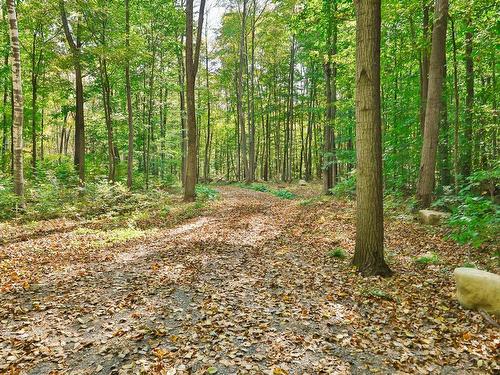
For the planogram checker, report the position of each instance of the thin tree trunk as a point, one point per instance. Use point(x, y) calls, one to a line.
point(432, 112)
point(75, 48)
point(206, 166)
point(369, 250)
point(469, 102)
point(456, 170)
point(239, 93)
point(17, 90)
point(130, 155)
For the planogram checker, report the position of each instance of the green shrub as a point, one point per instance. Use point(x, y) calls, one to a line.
point(283, 194)
point(8, 200)
point(338, 253)
point(475, 219)
point(346, 187)
point(204, 193)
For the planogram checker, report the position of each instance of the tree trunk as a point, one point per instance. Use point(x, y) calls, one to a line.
point(17, 89)
point(206, 166)
point(130, 155)
point(239, 93)
point(469, 102)
point(456, 171)
point(192, 60)
point(330, 71)
point(75, 48)
point(424, 63)
point(369, 250)
point(434, 100)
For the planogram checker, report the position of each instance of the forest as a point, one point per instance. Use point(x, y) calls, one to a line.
point(249, 186)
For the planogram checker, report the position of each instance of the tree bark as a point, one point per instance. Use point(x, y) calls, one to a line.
point(130, 154)
point(369, 250)
point(433, 108)
point(17, 89)
point(469, 102)
point(192, 60)
point(239, 94)
point(75, 48)
point(424, 63)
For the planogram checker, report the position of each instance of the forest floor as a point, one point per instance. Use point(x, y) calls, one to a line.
point(250, 286)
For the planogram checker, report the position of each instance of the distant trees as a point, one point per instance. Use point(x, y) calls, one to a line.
point(276, 101)
point(369, 251)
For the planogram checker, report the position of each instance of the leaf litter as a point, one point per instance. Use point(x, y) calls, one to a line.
point(248, 288)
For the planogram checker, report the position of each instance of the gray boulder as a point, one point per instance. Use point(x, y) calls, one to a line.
point(478, 289)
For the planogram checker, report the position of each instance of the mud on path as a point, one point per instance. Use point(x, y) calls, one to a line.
point(234, 291)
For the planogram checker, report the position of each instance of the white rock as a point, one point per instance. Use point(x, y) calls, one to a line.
point(478, 289)
point(432, 217)
point(302, 182)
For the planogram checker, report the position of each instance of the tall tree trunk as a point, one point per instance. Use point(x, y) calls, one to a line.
point(369, 250)
point(251, 109)
point(206, 166)
point(192, 60)
point(434, 100)
point(34, 87)
point(469, 102)
point(424, 62)
point(444, 166)
point(5, 125)
point(330, 71)
point(456, 170)
point(239, 93)
point(182, 100)
point(130, 155)
point(75, 48)
point(17, 90)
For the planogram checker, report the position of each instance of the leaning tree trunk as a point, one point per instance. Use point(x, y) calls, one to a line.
point(17, 123)
point(434, 101)
point(369, 251)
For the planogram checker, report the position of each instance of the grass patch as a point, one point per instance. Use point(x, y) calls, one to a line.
point(469, 265)
point(431, 258)
point(377, 293)
point(338, 253)
point(263, 188)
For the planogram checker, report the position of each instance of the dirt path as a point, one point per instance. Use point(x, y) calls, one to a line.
point(235, 291)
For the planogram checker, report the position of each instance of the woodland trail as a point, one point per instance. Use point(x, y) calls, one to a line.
point(243, 289)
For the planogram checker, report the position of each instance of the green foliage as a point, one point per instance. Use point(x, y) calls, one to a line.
point(338, 253)
point(431, 258)
point(283, 194)
point(206, 193)
point(8, 200)
point(475, 219)
point(346, 187)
